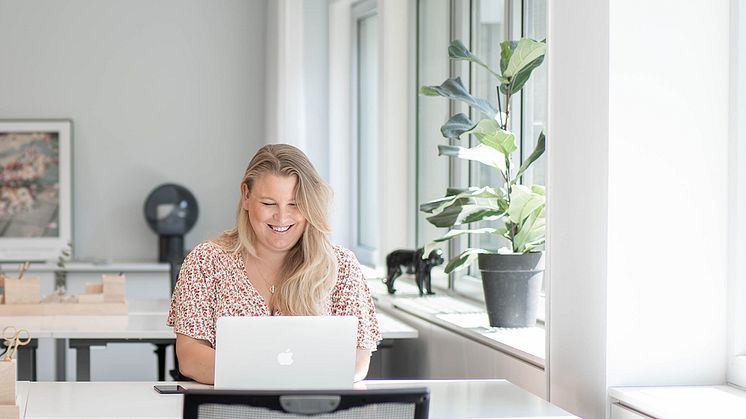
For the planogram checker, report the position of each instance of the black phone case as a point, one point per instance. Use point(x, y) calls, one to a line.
point(169, 389)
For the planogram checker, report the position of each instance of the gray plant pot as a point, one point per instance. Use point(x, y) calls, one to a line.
point(512, 284)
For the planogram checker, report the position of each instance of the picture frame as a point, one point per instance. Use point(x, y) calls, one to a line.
point(35, 189)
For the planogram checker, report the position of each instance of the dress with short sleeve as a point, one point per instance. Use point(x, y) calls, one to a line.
point(213, 283)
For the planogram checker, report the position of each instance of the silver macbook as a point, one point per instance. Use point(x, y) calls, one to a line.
point(285, 352)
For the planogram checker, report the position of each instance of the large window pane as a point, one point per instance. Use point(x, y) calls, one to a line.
point(433, 68)
point(535, 92)
point(491, 28)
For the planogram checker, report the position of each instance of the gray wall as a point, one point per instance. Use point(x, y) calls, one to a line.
point(316, 71)
point(158, 91)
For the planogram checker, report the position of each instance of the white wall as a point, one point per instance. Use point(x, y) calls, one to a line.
point(577, 188)
point(158, 91)
point(316, 73)
point(340, 114)
point(637, 196)
point(668, 217)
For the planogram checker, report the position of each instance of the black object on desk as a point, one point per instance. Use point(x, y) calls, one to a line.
point(414, 264)
point(169, 389)
point(392, 403)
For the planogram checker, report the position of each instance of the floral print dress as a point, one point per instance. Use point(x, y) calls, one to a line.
point(213, 283)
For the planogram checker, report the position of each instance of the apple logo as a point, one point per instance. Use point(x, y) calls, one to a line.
point(285, 358)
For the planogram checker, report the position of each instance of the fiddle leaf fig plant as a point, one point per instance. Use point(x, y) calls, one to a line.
point(520, 207)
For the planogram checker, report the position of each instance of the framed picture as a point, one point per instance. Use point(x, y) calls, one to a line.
point(35, 189)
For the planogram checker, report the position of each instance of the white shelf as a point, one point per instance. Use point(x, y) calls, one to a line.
point(681, 402)
point(94, 267)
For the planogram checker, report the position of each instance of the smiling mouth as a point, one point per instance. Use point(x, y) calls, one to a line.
point(280, 229)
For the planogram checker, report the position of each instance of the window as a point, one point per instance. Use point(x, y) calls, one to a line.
point(366, 224)
point(482, 25)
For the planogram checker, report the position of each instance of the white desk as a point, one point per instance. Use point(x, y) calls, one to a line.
point(146, 322)
point(448, 399)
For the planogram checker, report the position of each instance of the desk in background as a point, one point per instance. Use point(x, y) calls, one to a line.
point(448, 399)
point(145, 323)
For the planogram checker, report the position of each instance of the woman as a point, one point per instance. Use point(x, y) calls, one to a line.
point(277, 260)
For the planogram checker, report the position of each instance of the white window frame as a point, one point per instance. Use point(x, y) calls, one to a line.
point(368, 255)
point(736, 370)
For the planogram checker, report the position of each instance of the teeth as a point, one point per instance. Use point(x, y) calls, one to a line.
point(280, 229)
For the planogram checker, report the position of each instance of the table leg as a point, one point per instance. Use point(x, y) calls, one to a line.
point(160, 351)
point(83, 361)
point(26, 358)
point(60, 364)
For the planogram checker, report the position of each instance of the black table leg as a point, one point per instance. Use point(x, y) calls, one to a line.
point(26, 357)
point(160, 351)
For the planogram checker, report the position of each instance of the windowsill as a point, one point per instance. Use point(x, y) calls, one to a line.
point(459, 315)
point(682, 401)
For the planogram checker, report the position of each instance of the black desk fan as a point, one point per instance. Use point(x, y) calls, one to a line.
point(171, 211)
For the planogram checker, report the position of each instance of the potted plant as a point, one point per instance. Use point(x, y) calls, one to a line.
point(511, 276)
point(60, 274)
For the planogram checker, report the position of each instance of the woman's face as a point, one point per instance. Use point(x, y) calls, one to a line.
point(272, 212)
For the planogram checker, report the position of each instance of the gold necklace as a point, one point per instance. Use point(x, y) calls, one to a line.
point(261, 276)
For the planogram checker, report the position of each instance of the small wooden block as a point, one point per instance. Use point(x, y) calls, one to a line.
point(114, 288)
point(91, 298)
point(9, 411)
point(94, 288)
point(22, 291)
point(8, 382)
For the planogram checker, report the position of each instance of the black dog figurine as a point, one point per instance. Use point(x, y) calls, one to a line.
point(414, 264)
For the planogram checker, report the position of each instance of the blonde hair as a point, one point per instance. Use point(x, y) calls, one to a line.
point(310, 268)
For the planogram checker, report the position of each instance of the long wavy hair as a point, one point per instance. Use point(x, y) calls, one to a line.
point(310, 269)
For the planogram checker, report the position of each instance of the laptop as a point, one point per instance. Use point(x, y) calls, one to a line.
point(285, 352)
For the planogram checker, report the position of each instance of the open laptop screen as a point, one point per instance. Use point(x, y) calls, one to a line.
point(285, 352)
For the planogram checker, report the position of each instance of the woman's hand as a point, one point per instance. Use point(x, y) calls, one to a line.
point(196, 359)
point(362, 362)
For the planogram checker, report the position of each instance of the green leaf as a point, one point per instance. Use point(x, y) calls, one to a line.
point(539, 189)
point(456, 125)
point(463, 197)
point(464, 214)
point(506, 51)
point(488, 132)
point(480, 153)
point(460, 232)
point(522, 203)
point(463, 260)
point(458, 51)
point(538, 151)
point(503, 204)
point(483, 214)
point(526, 51)
point(531, 233)
point(454, 89)
point(430, 206)
point(517, 82)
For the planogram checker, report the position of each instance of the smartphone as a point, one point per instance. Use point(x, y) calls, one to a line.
point(169, 389)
